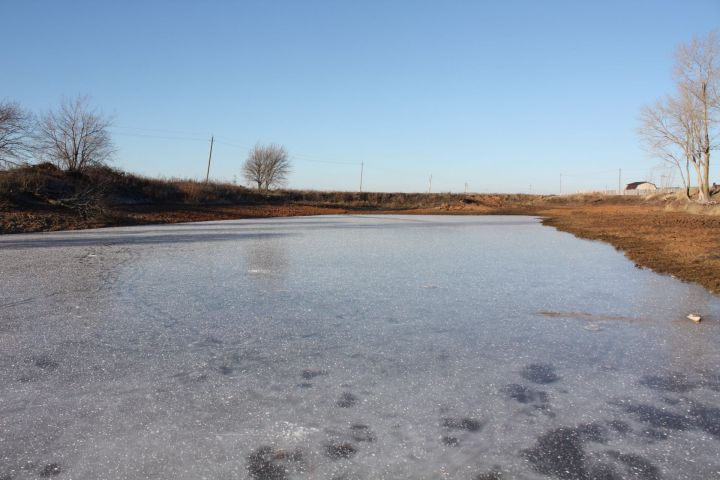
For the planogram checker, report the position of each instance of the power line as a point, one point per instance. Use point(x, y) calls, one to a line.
point(143, 129)
point(297, 156)
point(585, 174)
point(185, 135)
point(223, 142)
point(142, 135)
point(315, 158)
point(325, 161)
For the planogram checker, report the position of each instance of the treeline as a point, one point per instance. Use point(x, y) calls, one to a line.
point(73, 137)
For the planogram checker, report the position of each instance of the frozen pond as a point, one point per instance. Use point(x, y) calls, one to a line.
point(343, 347)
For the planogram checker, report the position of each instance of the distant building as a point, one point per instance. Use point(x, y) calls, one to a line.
point(640, 186)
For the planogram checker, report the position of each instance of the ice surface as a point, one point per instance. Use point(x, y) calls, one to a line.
point(344, 347)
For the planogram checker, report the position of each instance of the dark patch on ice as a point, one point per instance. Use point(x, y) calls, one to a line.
point(310, 374)
point(51, 470)
point(619, 426)
point(225, 370)
point(361, 433)
point(525, 395)
point(602, 471)
point(45, 362)
point(654, 434)
point(347, 400)
point(337, 451)
point(559, 453)
point(637, 466)
point(462, 423)
point(706, 418)
point(540, 373)
point(657, 417)
point(699, 416)
point(675, 382)
point(305, 385)
point(295, 455)
point(189, 378)
point(262, 465)
point(670, 400)
point(712, 381)
point(494, 474)
point(443, 357)
point(267, 463)
point(213, 340)
point(348, 476)
point(593, 432)
point(450, 441)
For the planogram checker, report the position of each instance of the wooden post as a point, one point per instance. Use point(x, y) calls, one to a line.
point(207, 175)
point(362, 165)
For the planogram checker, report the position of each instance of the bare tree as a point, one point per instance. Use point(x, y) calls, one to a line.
point(697, 70)
point(682, 128)
point(267, 166)
point(74, 136)
point(16, 127)
point(669, 131)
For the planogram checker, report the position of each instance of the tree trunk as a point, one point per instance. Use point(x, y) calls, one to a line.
point(705, 187)
point(702, 182)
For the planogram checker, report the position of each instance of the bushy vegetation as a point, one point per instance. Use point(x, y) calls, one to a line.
point(104, 187)
point(98, 187)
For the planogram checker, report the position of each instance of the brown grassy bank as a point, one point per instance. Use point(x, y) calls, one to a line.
point(662, 233)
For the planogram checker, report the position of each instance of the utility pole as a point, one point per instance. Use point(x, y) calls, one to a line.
point(466, 188)
point(561, 184)
point(207, 175)
point(362, 165)
point(430, 184)
point(619, 181)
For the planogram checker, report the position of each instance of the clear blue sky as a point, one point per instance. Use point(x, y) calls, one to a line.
point(502, 95)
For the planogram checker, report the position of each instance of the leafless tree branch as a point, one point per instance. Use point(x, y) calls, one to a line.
point(267, 166)
point(75, 137)
point(16, 128)
point(682, 129)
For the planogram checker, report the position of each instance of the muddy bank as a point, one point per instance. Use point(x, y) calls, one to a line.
point(676, 243)
point(55, 219)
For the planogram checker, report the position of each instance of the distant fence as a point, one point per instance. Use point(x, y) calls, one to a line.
point(632, 192)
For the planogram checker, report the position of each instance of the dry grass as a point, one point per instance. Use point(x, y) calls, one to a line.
point(30, 185)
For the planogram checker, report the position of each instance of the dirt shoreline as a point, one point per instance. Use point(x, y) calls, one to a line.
point(681, 244)
point(677, 243)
